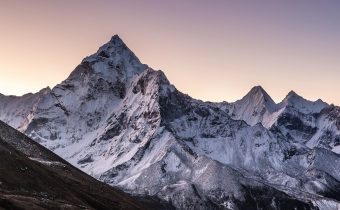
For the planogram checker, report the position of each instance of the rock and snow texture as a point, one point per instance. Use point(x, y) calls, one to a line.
point(32, 177)
point(16, 110)
point(257, 106)
point(124, 123)
point(311, 123)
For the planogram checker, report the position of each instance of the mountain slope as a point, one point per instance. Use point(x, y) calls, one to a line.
point(125, 124)
point(15, 110)
point(38, 179)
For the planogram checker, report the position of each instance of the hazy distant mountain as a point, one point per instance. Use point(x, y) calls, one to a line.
point(125, 124)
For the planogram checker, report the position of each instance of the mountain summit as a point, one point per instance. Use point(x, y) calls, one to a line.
point(254, 107)
point(258, 91)
point(124, 123)
point(303, 105)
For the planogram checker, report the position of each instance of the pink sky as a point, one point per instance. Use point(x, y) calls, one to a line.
point(211, 50)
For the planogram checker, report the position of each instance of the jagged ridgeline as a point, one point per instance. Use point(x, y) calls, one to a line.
point(124, 123)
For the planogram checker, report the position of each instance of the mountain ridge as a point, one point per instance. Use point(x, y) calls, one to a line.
point(125, 124)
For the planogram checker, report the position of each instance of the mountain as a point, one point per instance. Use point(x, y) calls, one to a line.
point(125, 124)
point(311, 123)
point(32, 177)
point(257, 106)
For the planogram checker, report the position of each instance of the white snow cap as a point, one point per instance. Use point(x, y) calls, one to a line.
point(301, 104)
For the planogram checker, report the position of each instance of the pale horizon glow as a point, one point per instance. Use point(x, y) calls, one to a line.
point(214, 51)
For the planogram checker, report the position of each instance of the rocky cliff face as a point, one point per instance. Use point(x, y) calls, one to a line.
point(125, 124)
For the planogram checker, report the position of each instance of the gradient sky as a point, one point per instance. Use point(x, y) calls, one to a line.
point(212, 50)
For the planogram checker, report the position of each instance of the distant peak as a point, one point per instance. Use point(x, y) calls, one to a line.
point(258, 91)
point(292, 96)
point(302, 104)
point(258, 95)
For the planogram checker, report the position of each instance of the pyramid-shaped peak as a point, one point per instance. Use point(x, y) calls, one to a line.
point(257, 97)
point(116, 40)
point(115, 49)
point(258, 92)
point(112, 59)
point(113, 44)
point(257, 89)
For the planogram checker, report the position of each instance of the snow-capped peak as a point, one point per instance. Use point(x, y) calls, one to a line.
point(114, 62)
point(125, 124)
point(292, 97)
point(254, 106)
point(258, 95)
point(115, 46)
point(302, 105)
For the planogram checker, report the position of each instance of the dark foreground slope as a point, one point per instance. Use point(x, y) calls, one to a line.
point(31, 177)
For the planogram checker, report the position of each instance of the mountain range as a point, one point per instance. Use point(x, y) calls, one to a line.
point(125, 124)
